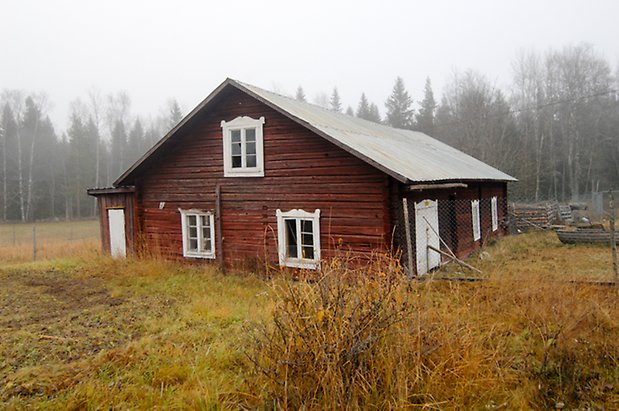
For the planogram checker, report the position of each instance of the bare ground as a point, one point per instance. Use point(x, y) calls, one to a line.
point(52, 317)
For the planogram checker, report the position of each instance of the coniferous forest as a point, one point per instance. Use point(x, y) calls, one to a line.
point(555, 127)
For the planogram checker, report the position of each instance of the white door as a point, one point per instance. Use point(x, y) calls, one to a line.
point(116, 222)
point(426, 234)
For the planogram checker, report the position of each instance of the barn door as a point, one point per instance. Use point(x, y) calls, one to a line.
point(426, 234)
point(116, 223)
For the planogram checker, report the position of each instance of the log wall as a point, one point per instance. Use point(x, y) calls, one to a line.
point(302, 170)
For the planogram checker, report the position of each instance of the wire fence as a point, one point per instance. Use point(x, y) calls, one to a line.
point(433, 231)
point(32, 241)
point(430, 231)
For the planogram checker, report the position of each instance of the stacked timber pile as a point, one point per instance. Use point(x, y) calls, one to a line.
point(540, 215)
point(565, 213)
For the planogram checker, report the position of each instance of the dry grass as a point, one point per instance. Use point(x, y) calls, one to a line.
point(53, 240)
point(135, 334)
point(92, 332)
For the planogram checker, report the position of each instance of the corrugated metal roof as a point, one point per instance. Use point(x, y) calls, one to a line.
point(410, 154)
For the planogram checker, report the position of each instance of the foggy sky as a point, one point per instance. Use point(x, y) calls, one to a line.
point(160, 49)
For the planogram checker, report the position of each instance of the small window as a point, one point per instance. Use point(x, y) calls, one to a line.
point(198, 234)
point(475, 216)
point(242, 139)
point(299, 238)
point(495, 214)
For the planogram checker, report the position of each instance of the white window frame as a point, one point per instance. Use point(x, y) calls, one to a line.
point(243, 123)
point(210, 254)
point(475, 220)
point(298, 215)
point(495, 213)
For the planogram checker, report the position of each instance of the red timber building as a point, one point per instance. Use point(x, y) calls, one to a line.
point(252, 177)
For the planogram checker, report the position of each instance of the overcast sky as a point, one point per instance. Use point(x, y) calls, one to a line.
point(160, 49)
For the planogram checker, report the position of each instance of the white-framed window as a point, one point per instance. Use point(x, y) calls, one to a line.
point(198, 233)
point(475, 219)
point(495, 213)
point(243, 147)
point(298, 236)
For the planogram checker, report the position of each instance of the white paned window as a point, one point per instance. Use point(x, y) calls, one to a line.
point(243, 148)
point(475, 217)
point(298, 236)
point(198, 234)
point(495, 214)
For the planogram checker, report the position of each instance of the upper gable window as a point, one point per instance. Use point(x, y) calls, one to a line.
point(243, 155)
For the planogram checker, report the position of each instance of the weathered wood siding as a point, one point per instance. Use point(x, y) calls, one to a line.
point(302, 170)
point(454, 213)
point(123, 201)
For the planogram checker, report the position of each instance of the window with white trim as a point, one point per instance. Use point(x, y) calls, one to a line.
point(198, 234)
point(495, 213)
point(243, 147)
point(475, 217)
point(298, 235)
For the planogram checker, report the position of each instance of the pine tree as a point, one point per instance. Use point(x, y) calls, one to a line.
point(9, 163)
point(136, 142)
point(399, 111)
point(175, 114)
point(374, 115)
point(363, 109)
point(335, 104)
point(349, 111)
point(425, 117)
point(300, 96)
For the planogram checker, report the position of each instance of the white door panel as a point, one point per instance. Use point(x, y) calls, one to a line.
point(116, 222)
point(426, 233)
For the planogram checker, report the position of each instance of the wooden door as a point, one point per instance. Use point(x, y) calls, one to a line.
point(116, 224)
point(426, 234)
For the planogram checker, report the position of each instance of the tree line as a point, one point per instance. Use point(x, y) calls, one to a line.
point(44, 175)
point(555, 128)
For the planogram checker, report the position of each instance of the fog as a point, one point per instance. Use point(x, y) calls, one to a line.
point(155, 50)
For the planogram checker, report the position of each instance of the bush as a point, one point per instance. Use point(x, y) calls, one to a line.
point(337, 343)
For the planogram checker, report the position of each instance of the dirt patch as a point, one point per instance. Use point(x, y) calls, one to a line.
point(42, 297)
point(54, 317)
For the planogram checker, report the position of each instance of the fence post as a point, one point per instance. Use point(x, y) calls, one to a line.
point(407, 230)
point(34, 243)
point(613, 241)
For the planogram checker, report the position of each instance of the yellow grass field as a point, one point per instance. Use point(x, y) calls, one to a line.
point(83, 331)
point(53, 240)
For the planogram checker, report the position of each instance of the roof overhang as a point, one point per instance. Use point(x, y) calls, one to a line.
point(110, 190)
point(127, 178)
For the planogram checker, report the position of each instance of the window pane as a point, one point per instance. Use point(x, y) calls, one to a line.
point(307, 226)
point(236, 148)
point(236, 161)
point(291, 238)
point(308, 252)
point(193, 244)
point(251, 160)
point(205, 220)
point(193, 232)
point(308, 239)
point(191, 220)
point(250, 135)
point(236, 136)
point(250, 148)
point(206, 233)
point(206, 245)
